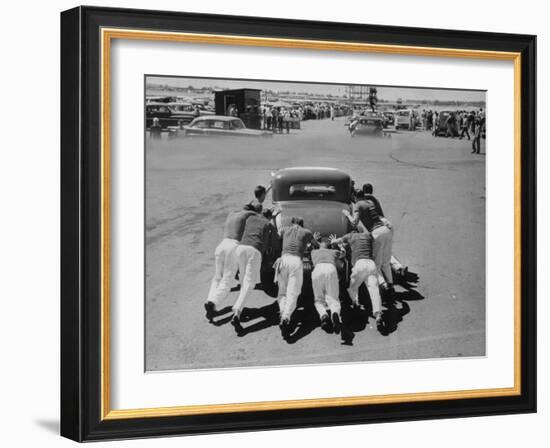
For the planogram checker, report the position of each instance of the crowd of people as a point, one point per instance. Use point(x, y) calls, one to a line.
point(250, 233)
point(278, 119)
point(283, 118)
point(459, 124)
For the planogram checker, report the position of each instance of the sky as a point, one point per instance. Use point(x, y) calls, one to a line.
point(384, 92)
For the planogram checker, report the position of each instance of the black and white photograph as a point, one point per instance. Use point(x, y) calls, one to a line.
point(291, 223)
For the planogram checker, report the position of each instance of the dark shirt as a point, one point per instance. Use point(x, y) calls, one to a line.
point(257, 205)
point(368, 214)
point(477, 130)
point(376, 203)
point(234, 224)
point(295, 240)
point(361, 246)
point(258, 233)
point(329, 256)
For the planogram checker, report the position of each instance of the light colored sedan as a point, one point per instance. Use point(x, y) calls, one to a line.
point(221, 125)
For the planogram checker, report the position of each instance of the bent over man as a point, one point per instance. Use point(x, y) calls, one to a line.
point(363, 271)
point(226, 260)
point(324, 279)
point(395, 264)
point(258, 236)
point(365, 212)
point(289, 271)
point(260, 193)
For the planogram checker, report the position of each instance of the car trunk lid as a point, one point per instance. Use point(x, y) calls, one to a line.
point(320, 216)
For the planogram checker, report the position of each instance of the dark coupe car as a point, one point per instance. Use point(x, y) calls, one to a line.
point(318, 195)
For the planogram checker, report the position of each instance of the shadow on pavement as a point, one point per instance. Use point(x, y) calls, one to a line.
point(396, 306)
point(226, 319)
point(305, 318)
point(268, 313)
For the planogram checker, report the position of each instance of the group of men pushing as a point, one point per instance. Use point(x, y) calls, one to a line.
point(250, 233)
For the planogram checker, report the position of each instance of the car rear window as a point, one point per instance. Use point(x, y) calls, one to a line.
point(319, 191)
point(311, 184)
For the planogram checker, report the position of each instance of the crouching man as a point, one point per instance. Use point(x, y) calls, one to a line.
point(225, 258)
point(289, 269)
point(363, 271)
point(324, 279)
point(258, 236)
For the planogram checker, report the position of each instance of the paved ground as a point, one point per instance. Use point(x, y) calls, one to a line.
point(432, 189)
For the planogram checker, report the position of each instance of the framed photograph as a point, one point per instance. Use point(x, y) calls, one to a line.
point(277, 224)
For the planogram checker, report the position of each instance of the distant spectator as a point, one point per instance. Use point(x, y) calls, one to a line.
point(155, 130)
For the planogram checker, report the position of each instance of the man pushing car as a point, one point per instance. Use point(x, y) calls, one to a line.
point(289, 269)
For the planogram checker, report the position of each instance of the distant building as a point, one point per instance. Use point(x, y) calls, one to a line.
point(247, 102)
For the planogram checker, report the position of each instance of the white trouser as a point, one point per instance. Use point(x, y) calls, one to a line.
point(364, 271)
point(290, 277)
point(226, 268)
point(382, 246)
point(250, 263)
point(324, 279)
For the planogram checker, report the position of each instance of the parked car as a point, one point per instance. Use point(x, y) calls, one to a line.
point(169, 114)
point(402, 118)
point(173, 114)
point(389, 118)
point(441, 126)
point(218, 125)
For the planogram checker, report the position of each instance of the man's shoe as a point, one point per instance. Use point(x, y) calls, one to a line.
point(236, 322)
point(210, 310)
point(388, 291)
point(285, 328)
point(275, 316)
point(325, 323)
point(379, 322)
point(336, 325)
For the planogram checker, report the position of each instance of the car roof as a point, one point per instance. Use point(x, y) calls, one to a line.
point(305, 174)
point(178, 103)
point(216, 117)
point(284, 178)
